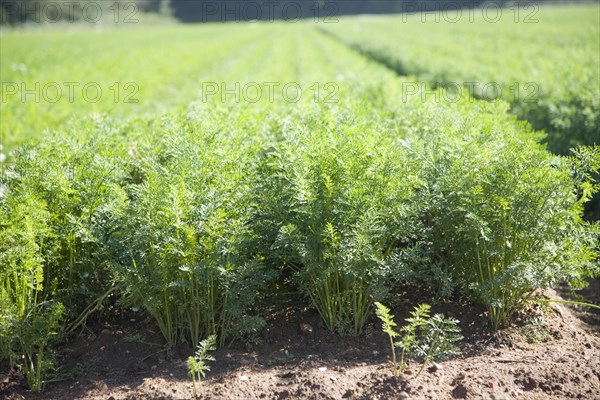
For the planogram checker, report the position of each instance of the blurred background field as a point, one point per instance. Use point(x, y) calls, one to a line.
point(543, 61)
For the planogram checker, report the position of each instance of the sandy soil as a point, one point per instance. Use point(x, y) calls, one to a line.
point(547, 354)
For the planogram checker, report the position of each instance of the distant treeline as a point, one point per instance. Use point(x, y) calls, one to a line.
point(323, 10)
point(319, 10)
point(16, 12)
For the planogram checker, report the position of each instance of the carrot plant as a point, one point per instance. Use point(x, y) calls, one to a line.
point(183, 253)
point(29, 317)
point(504, 213)
point(430, 337)
point(427, 337)
point(341, 205)
point(197, 364)
point(77, 176)
point(388, 325)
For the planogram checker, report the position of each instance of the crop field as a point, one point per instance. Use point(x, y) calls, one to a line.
point(197, 189)
point(544, 62)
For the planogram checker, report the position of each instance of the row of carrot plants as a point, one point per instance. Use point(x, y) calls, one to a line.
point(195, 217)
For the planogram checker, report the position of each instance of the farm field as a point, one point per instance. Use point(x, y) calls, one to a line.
point(538, 60)
point(266, 185)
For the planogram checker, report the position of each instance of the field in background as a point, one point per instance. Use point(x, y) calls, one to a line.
point(544, 62)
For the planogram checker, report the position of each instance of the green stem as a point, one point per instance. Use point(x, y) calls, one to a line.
point(89, 310)
point(422, 368)
point(402, 364)
point(579, 303)
point(393, 355)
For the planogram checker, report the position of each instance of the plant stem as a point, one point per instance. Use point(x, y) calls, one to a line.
point(579, 303)
point(422, 368)
point(394, 356)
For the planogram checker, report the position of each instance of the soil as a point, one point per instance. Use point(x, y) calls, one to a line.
point(551, 352)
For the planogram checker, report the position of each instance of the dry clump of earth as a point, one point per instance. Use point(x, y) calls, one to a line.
point(551, 352)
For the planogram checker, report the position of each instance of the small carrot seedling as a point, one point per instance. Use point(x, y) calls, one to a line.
point(426, 337)
point(383, 313)
point(197, 364)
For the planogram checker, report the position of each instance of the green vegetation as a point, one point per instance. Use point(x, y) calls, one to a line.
point(194, 204)
point(197, 366)
point(343, 207)
point(542, 60)
point(427, 337)
point(388, 325)
point(50, 78)
point(503, 220)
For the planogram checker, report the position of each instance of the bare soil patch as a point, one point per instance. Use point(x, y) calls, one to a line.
point(546, 355)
